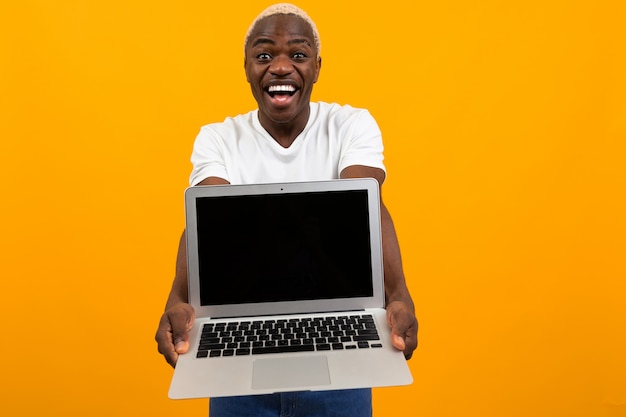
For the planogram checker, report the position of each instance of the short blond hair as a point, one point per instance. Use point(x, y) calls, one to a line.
point(288, 9)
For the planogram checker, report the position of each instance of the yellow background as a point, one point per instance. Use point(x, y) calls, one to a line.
point(505, 128)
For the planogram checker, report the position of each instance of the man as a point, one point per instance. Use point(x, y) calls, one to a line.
point(289, 139)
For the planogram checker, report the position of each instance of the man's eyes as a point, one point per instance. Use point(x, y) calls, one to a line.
point(264, 56)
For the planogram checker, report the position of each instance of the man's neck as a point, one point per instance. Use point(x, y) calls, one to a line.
point(285, 133)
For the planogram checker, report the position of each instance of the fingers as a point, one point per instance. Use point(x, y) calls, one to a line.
point(172, 334)
point(164, 339)
point(403, 327)
point(181, 320)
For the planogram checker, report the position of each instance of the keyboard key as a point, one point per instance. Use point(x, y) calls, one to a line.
point(365, 337)
point(206, 340)
point(282, 349)
point(212, 346)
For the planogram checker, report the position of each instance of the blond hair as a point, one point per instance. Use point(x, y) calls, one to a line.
point(288, 9)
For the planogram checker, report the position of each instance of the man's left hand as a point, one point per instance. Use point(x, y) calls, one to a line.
point(404, 326)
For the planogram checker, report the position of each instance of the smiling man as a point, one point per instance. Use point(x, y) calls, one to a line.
point(282, 63)
point(289, 138)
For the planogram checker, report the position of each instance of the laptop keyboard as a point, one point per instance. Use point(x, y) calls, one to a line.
point(293, 335)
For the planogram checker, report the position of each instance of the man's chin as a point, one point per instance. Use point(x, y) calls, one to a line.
point(280, 114)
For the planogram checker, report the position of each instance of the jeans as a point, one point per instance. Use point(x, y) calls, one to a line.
point(344, 403)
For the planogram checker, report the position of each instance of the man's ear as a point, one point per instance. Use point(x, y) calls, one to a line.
point(319, 67)
point(245, 62)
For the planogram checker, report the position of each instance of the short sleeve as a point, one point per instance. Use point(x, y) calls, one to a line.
point(207, 157)
point(364, 144)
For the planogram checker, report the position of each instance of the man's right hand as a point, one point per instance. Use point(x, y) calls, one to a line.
point(172, 335)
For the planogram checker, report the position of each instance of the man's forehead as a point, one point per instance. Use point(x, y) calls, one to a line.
point(290, 25)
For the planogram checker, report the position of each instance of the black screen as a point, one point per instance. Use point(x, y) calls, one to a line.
point(284, 247)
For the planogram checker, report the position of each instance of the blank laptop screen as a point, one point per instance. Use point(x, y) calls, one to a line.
point(284, 247)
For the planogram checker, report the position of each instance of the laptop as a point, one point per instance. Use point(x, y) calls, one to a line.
point(286, 281)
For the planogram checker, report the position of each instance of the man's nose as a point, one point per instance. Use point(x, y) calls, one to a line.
point(281, 65)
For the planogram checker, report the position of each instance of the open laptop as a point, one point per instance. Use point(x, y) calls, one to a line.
point(287, 284)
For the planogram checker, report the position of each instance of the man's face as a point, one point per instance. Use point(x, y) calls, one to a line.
point(281, 66)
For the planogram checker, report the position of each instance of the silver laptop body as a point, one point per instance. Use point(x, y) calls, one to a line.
point(287, 284)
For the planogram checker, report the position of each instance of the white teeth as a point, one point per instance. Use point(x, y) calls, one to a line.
point(281, 88)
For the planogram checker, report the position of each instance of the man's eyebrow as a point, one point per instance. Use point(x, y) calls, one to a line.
point(261, 41)
point(299, 41)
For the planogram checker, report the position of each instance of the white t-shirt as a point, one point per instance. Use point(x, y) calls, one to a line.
point(241, 151)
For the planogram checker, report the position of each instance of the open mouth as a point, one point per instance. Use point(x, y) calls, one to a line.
point(281, 90)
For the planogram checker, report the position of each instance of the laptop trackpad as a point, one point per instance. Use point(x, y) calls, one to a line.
point(279, 373)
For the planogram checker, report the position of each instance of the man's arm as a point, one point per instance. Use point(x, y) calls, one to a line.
point(172, 335)
point(400, 308)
